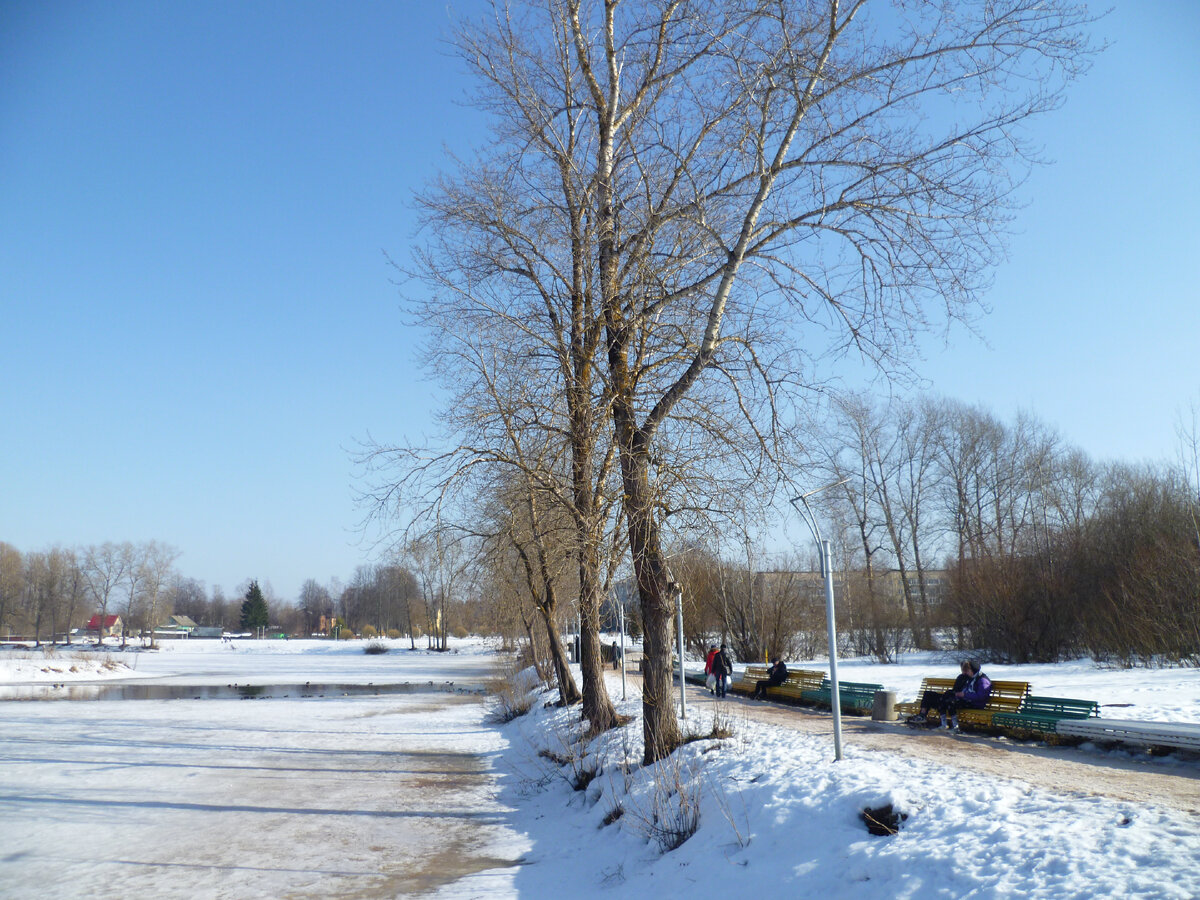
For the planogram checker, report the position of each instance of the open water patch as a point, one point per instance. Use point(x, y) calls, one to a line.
point(151, 691)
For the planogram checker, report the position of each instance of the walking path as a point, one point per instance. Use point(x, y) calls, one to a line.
point(1171, 782)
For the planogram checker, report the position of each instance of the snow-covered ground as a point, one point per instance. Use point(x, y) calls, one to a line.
point(396, 795)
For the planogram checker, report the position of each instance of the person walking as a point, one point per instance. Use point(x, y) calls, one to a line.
point(710, 679)
point(722, 667)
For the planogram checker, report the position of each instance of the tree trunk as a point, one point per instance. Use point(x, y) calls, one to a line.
point(568, 692)
point(597, 706)
point(535, 655)
point(660, 728)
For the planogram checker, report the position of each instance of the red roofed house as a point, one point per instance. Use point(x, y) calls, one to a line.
point(113, 626)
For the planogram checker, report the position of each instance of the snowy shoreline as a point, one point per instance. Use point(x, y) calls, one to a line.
point(329, 797)
point(1159, 694)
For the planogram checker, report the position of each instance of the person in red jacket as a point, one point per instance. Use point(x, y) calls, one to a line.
point(709, 678)
point(722, 668)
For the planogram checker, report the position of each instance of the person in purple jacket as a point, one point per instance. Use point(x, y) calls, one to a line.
point(974, 694)
point(941, 701)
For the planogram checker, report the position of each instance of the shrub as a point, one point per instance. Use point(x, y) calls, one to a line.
point(507, 702)
point(511, 692)
point(375, 648)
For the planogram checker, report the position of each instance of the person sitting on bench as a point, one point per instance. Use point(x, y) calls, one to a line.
point(776, 675)
point(971, 689)
point(974, 695)
point(941, 700)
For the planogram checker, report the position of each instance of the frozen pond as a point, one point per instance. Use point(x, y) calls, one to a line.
point(385, 790)
point(174, 691)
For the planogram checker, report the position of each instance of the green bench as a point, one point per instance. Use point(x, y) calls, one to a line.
point(1039, 716)
point(854, 696)
point(1006, 697)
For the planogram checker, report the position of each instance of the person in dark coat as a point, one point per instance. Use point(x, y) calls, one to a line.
point(974, 695)
point(941, 700)
point(971, 689)
point(776, 675)
point(722, 667)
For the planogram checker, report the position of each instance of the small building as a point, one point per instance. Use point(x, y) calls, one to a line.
point(175, 627)
point(180, 623)
point(112, 627)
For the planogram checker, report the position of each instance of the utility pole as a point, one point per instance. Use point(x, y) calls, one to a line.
point(679, 641)
point(827, 574)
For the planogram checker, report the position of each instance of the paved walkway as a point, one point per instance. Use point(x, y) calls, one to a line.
point(1065, 770)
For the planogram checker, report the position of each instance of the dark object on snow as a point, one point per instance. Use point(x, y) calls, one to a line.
point(884, 820)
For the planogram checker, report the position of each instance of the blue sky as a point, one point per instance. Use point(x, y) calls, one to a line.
point(198, 318)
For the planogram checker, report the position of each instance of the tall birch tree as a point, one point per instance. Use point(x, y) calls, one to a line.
point(707, 199)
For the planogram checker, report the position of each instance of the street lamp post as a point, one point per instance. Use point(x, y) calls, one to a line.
point(621, 619)
point(827, 574)
point(679, 642)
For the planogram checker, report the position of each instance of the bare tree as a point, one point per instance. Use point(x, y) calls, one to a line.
point(516, 332)
point(157, 568)
point(133, 557)
point(533, 545)
point(1187, 429)
point(105, 567)
point(12, 581)
point(399, 588)
point(42, 575)
point(730, 191)
point(849, 455)
point(440, 564)
point(74, 590)
point(316, 604)
point(187, 596)
point(757, 155)
point(889, 454)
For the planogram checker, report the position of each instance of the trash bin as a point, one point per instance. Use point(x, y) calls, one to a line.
point(883, 707)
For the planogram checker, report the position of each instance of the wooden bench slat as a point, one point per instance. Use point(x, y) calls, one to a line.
point(798, 681)
point(912, 707)
point(1005, 696)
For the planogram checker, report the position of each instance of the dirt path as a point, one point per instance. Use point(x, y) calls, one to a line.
point(1063, 770)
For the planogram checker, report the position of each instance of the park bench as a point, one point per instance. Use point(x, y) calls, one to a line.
point(1158, 736)
point(854, 696)
point(913, 707)
point(1006, 697)
point(792, 690)
point(1039, 716)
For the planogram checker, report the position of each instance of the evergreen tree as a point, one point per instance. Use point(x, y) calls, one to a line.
point(254, 609)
